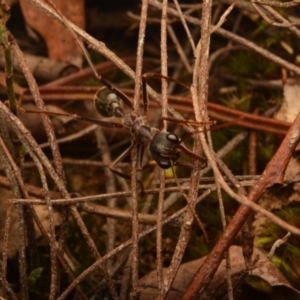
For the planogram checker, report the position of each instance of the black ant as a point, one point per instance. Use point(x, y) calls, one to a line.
point(164, 147)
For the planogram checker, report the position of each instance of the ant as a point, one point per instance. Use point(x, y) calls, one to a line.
point(163, 147)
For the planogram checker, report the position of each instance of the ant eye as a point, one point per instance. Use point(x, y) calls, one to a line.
point(173, 138)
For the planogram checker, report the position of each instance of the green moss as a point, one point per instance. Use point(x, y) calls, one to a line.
point(246, 64)
point(287, 257)
point(33, 278)
point(253, 287)
point(258, 284)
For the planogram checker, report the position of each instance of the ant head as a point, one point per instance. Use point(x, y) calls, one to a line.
point(164, 149)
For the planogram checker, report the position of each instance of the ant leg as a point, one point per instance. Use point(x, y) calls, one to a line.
point(75, 117)
point(190, 153)
point(121, 157)
point(155, 76)
point(190, 122)
point(114, 89)
point(191, 166)
point(140, 151)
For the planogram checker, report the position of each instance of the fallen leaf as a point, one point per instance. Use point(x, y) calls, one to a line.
point(291, 104)
point(13, 243)
point(60, 41)
point(267, 272)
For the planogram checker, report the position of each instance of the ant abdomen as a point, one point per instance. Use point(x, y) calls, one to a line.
point(108, 104)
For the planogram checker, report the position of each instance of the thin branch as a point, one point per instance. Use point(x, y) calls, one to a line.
point(273, 174)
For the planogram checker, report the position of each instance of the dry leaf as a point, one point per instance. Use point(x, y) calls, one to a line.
point(60, 42)
point(270, 202)
point(13, 244)
point(291, 104)
point(292, 170)
point(267, 272)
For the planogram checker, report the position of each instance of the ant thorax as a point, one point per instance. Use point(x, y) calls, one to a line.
point(136, 125)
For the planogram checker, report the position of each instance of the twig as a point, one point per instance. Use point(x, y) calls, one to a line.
point(182, 19)
point(273, 174)
point(179, 49)
point(284, 22)
point(136, 101)
point(222, 19)
point(123, 246)
point(17, 187)
point(5, 284)
point(110, 188)
point(277, 3)
point(164, 103)
point(276, 245)
point(238, 39)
